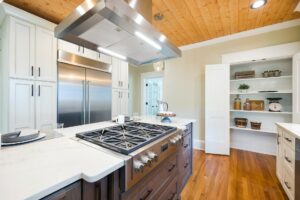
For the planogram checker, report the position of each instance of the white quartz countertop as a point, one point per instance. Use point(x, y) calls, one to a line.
point(37, 169)
point(292, 128)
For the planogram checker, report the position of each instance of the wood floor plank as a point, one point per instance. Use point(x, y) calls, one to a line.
point(243, 175)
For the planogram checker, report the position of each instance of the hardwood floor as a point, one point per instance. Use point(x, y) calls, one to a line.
point(241, 176)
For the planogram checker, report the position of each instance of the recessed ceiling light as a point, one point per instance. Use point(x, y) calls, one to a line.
point(258, 4)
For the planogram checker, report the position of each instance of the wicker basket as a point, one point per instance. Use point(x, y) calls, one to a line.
point(241, 122)
point(255, 125)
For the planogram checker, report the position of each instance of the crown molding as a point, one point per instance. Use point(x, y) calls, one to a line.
point(257, 31)
point(9, 10)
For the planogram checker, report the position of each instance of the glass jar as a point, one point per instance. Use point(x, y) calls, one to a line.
point(237, 105)
point(247, 105)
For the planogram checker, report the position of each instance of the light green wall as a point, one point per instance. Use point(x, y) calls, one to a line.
point(184, 77)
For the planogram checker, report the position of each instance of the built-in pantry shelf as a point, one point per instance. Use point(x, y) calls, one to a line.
point(253, 130)
point(261, 78)
point(262, 112)
point(257, 92)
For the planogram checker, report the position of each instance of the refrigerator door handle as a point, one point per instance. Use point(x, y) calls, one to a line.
point(83, 102)
point(88, 102)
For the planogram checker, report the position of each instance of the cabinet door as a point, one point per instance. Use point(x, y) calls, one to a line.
point(22, 37)
point(217, 138)
point(296, 88)
point(279, 155)
point(124, 75)
point(21, 110)
point(69, 47)
point(46, 105)
point(105, 58)
point(88, 53)
point(124, 102)
point(116, 103)
point(46, 67)
point(116, 65)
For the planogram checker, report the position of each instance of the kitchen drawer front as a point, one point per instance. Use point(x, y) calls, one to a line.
point(153, 182)
point(288, 184)
point(171, 192)
point(186, 143)
point(185, 168)
point(289, 157)
point(71, 192)
point(289, 139)
point(189, 128)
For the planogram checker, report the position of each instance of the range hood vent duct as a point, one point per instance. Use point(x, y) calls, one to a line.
point(119, 27)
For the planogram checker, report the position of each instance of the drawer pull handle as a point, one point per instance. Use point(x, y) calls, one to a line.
point(147, 195)
point(287, 185)
point(185, 146)
point(186, 165)
point(171, 169)
point(287, 159)
point(172, 196)
point(288, 139)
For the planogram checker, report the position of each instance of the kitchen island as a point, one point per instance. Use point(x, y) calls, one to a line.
point(38, 169)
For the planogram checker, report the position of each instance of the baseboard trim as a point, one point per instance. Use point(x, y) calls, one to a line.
point(200, 145)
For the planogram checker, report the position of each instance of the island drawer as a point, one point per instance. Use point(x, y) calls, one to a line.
point(186, 144)
point(71, 192)
point(169, 193)
point(289, 139)
point(153, 182)
point(189, 128)
point(184, 168)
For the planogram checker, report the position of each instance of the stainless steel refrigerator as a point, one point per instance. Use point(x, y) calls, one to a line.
point(84, 90)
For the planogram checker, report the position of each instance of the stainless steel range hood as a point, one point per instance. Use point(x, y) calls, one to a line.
point(115, 27)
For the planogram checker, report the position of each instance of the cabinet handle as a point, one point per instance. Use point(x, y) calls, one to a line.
point(287, 185)
point(186, 165)
point(288, 139)
point(83, 49)
point(171, 169)
point(39, 72)
point(185, 146)
point(147, 194)
point(121, 83)
point(287, 159)
point(32, 90)
point(78, 48)
point(39, 92)
point(32, 72)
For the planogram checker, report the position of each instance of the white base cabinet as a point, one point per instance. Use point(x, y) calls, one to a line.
point(285, 161)
point(21, 105)
point(119, 102)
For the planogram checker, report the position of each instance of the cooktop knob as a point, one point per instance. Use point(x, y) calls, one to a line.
point(146, 160)
point(152, 155)
point(138, 165)
point(173, 141)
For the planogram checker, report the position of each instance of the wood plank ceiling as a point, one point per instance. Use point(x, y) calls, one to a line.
point(186, 21)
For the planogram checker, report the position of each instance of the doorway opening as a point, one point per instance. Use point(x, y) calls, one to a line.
point(152, 90)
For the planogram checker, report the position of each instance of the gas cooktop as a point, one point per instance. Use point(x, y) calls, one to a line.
point(128, 137)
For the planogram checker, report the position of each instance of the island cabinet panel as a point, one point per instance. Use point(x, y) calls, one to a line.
point(185, 155)
point(71, 192)
point(156, 184)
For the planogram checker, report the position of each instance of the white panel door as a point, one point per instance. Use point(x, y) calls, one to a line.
point(116, 65)
point(69, 47)
point(21, 106)
point(88, 53)
point(46, 106)
point(124, 102)
point(22, 37)
point(116, 103)
point(217, 84)
point(296, 88)
point(124, 75)
point(46, 66)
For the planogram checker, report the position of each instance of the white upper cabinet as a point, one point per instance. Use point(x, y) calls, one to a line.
point(45, 56)
point(85, 52)
point(119, 74)
point(296, 88)
point(22, 43)
point(21, 105)
point(119, 102)
point(45, 105)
